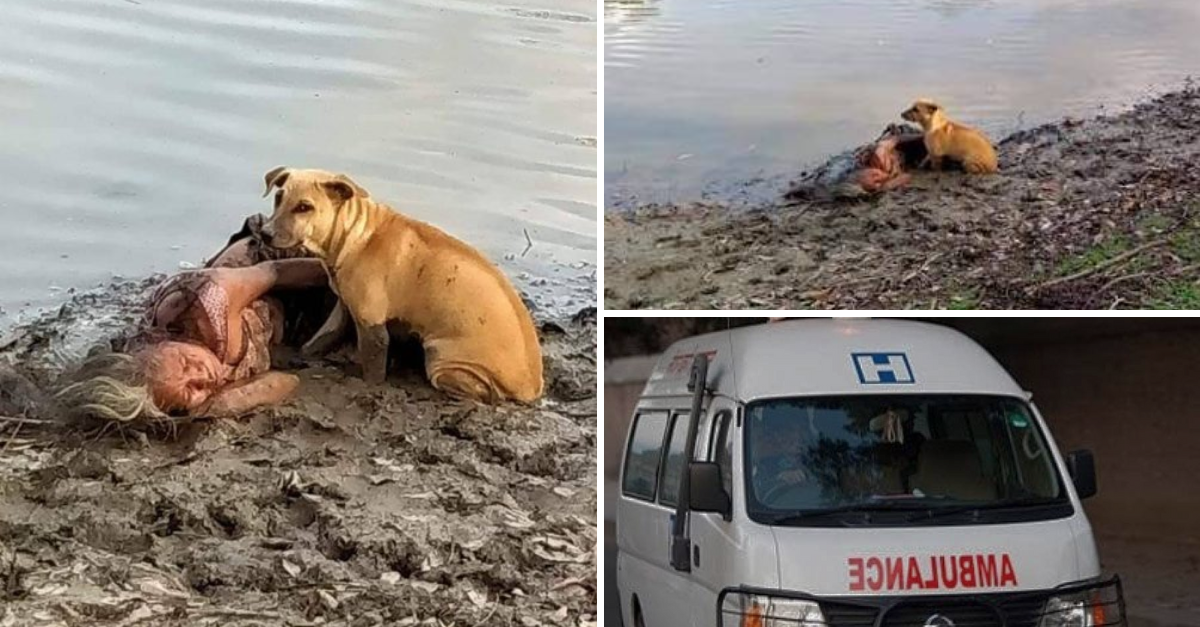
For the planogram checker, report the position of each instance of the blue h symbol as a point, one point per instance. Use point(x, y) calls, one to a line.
point(884, 368)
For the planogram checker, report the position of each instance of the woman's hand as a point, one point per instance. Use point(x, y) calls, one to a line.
point(241, 397)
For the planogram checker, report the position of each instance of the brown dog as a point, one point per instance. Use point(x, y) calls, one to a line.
point(946, 138)
point(391, 270)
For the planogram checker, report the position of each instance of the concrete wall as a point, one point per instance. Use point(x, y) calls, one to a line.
point(1133, 398)
point(1134, 401)
point(623, 382)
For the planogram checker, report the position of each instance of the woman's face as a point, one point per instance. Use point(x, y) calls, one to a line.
point(181, 376)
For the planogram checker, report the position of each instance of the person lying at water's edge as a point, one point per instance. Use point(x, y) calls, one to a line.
point(203, 348)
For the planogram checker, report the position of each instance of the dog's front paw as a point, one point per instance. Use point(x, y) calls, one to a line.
point(373, 376)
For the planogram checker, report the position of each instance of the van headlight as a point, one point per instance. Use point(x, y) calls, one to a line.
point(1093, 607)
point(758, 610)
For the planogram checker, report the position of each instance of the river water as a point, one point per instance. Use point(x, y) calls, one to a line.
point(136, 132)
point(701, 94)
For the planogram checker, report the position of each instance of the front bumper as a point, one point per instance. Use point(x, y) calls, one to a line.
point(1097, 603)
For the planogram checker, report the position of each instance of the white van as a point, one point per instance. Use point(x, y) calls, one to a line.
point(851, 473)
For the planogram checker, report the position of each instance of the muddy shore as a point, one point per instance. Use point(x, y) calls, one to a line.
point(349, 505)
point(1085, 214)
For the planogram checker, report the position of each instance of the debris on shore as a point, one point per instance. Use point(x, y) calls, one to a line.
point(1084, 214)
point(350, 505)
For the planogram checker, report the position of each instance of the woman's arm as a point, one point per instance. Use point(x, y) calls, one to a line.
point(297, 273)
point(240, 397)
point(246, 285)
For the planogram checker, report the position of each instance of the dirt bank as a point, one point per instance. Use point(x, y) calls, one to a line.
point(1094, 213)
point(350, 505)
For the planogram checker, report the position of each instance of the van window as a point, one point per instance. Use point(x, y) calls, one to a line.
point(673, 467)
point(721, 449)
point(902, 459)
point(702, 442)
point(642, 456)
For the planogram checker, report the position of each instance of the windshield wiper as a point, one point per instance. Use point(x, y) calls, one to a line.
point(975, 509)
point(814, 514)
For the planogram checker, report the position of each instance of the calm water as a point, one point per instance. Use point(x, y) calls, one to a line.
point(136, 132)
point(698, 91)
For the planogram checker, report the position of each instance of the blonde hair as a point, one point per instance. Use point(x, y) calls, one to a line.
point(111, 388)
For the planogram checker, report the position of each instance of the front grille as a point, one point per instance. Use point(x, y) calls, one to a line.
point(1024, 610)
point(846, 615)
point(964, 613)
point(1010, 609)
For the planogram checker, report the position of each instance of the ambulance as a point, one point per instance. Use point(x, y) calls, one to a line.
point(851, 473)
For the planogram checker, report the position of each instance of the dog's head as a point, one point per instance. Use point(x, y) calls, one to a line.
point(306, 205)
point(923, 111)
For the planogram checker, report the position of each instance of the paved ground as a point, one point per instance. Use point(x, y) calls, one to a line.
point(612, 611)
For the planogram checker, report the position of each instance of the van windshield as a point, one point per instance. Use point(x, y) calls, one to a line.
point(898, 459)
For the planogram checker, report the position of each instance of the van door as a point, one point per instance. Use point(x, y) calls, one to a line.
point(715, 546)
point(677, 603)
point(648, 583)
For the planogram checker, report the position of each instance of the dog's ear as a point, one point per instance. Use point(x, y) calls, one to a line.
point(343, 188)
point(276, 178)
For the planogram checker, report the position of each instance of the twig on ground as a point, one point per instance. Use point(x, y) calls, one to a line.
point(7, 443)
point(1189, 268)
point(25, 421)
point(179, 461)
point(1104, 265)
point(1122, 279)
point(495, 604)
point(528, 241)
point(922, 269)
point(228, 611)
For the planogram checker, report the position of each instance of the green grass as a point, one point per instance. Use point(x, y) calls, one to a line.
point(1155, 223)
point(964, 300)
point(1186, 244)
point(1092, 256)
point(1177, 294)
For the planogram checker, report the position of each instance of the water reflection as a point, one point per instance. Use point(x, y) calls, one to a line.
point(629, 11)
point(716, 90)
point(136, 133)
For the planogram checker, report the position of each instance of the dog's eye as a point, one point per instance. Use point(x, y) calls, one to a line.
point(303, 208)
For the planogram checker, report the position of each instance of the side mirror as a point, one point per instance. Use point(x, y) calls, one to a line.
point(1082, 467)
point(706, 493)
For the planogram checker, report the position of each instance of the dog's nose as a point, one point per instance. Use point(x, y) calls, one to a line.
point(267, 236)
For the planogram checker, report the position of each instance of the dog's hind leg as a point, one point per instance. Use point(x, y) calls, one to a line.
point(462, 380)
point(976, 167)
point(330, 333)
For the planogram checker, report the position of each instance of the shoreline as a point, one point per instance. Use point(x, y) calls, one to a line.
point(348, 503)
point(1084, 214)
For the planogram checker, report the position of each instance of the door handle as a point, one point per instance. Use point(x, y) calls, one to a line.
point(696, 555)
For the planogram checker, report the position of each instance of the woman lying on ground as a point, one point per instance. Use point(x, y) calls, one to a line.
point(880, 166)
point(204, 345)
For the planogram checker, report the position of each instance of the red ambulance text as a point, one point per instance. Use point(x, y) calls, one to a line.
point(935, 572)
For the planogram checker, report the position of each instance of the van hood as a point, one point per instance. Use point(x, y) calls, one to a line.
point(943, 560)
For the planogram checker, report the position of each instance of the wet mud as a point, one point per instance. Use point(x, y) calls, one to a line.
point(1085, 214)
point(351, 504)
